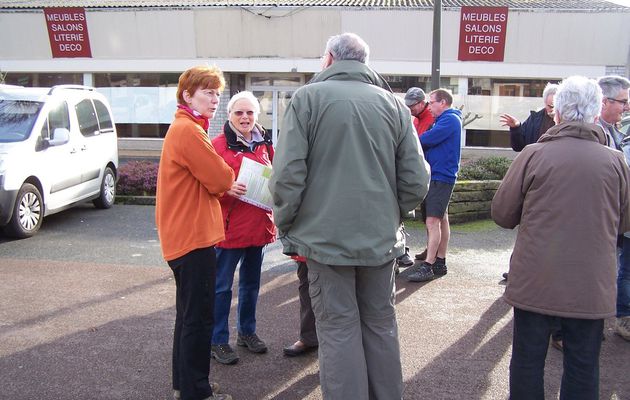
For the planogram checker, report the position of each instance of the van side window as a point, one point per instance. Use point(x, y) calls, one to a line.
point(57, 118)
point(88, 124)
point(104, 119)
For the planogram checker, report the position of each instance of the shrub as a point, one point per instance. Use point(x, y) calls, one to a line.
point(484, 169)
point(137, 178)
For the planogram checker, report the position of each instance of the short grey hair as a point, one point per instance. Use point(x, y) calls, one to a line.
point(549, 90)
point(612, 85)
point(348, 46)
point(244, 95)
point(578, 99)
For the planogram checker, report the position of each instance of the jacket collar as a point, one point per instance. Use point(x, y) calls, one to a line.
point(580, 130)
point(349, 70)
point(234, 143)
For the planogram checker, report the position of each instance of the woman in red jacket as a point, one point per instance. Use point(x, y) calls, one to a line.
point(248, 228)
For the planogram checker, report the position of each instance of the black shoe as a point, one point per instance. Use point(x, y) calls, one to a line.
point(439, 266)
point(423, 274)
point(297, 349)
point(505, 276)
point(224, 354)
point(404, 260)
point(422, 256)
point(252, 342)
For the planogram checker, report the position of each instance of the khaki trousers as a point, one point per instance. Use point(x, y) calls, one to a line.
point(359, 353)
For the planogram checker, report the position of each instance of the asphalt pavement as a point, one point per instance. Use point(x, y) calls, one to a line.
point(88, 312)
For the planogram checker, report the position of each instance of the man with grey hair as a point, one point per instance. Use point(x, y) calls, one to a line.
point(347, 168)
point(569, 196)
point(528, 132)
point(614, 104)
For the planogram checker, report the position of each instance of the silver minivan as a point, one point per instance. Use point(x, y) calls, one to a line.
point(58, 147)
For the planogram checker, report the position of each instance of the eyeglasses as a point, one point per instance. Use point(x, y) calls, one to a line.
point(623, 102)
point(240, 113)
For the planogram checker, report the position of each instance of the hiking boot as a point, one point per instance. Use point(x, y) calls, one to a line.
point(219, 396)
point(252, 342)
point(557, 344)
point(404, 260)
point(439, 266)
point(423, 274)
point(622, 327)
point(224, 354)
point(177, 395)
point(422, 256)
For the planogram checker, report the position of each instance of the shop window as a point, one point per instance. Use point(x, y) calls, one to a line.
point(43, 79)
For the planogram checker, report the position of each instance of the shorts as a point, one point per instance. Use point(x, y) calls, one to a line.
point(436, 203)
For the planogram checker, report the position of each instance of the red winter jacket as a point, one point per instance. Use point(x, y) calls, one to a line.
point(245, 225)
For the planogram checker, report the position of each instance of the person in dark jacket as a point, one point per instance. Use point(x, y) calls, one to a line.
point(569, 196)
point(248, 228)
point(528, 132)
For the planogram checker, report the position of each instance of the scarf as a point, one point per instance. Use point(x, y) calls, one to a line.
point(205, 123)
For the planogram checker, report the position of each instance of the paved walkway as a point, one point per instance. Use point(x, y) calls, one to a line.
point(77, 330)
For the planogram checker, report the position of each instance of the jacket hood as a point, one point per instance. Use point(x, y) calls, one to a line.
point(455, 111)
point(580, 130)
point(348, 70)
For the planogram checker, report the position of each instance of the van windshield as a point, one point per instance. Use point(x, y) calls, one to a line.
point(17, 118)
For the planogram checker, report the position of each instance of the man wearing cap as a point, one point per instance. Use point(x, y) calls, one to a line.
point(422, 118)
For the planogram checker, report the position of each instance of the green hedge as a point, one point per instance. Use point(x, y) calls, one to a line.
point(484, 169)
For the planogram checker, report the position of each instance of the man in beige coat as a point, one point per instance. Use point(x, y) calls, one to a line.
point(569, 196)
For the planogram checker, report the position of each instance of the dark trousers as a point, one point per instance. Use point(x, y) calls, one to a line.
point(195, 279)
point(582, 340)
point(308, 332)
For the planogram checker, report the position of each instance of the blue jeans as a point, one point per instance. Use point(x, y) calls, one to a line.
point(623, 279)
point(194, 300)
point(582, 340)
point(250, 259)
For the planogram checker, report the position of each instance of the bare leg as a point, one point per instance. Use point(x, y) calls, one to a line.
point(445, 235)
point(434, 237)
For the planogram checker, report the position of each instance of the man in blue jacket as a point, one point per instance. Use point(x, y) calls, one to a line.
point(442, 149)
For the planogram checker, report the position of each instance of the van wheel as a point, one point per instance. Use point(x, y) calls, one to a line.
point(108, 190)
point(28, 213)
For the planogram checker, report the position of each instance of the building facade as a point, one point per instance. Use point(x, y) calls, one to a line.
point(139, 48)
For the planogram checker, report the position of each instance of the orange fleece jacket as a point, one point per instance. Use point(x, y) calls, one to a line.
point(191, 178)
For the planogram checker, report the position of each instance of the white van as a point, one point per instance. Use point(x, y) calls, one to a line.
point(58, 147)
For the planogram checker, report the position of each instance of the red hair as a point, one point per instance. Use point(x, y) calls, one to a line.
point(199, 77)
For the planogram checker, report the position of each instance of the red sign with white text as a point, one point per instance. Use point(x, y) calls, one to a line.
point(482, 33)
point(68, 33)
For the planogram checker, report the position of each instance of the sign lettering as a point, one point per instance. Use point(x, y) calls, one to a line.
point(67, 31)
point(482, 33)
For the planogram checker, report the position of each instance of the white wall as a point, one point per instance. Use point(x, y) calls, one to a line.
point(543, 43)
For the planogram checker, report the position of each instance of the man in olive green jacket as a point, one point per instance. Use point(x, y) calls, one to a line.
point(347, 167)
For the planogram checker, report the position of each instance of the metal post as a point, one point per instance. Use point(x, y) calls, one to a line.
point(435, 58)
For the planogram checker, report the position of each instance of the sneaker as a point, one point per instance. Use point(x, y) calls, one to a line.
point(439, 266)
point(622, 327)
point(422, 256)
point(252, 342)
point(224, 354)
point(404, 260)
point(423, 274)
